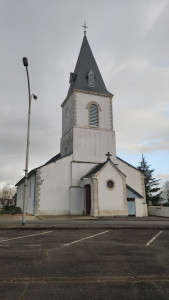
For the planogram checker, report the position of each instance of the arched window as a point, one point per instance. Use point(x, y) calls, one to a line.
point(94, 115)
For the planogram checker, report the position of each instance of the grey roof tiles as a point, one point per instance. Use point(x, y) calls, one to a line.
point(85, 67)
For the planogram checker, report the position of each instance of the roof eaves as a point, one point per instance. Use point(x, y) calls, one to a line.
point(128, 164)
point(92, 92)
point(29, 174)
point(114, 165)
point(53, 159)
point(95, 170)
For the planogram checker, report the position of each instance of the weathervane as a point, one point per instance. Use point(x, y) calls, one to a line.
point(85, 27)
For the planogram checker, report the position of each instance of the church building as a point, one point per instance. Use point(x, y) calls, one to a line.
point(86, 177)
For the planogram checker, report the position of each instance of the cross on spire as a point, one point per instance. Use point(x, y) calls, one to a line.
point(108, 155)
point(85, 27)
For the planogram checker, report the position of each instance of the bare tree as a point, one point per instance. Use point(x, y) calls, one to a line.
point(7, 192)
point(165, 192)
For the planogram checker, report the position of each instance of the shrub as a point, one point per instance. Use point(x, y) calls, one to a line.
point(166, 204)
point(12, 210)
point(6, 208)
point(18, 210)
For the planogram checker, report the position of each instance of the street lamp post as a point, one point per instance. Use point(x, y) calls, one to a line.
point(25, 63)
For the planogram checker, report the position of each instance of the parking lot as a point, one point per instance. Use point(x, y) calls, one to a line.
point(84, 264)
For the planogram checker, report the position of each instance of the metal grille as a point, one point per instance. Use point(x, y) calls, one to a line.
point(91, 78)
point(91, 81)
point(93, 115)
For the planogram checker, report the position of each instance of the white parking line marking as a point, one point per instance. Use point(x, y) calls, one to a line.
point(148, 244)
point(88, 237)
point(34, 245)
point(25, 236)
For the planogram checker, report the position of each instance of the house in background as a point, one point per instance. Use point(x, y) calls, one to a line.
point(86, 177)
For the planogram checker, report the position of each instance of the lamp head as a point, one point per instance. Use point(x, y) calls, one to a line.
point(25, 61)
point(35, 97)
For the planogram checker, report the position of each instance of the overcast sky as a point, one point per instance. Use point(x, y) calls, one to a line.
point(130, 42)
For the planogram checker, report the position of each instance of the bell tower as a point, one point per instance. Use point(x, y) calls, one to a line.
point(87, 117)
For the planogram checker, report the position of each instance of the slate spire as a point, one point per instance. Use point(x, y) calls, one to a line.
point(86, 75)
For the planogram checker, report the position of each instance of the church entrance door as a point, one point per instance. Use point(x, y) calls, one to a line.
point(88, 199)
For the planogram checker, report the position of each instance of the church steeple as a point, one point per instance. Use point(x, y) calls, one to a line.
point(87, 118)
point(86, 75)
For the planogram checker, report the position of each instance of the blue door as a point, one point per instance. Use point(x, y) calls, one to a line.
point(131, 206)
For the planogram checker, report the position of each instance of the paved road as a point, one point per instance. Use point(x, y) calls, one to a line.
point(83, 222)
point(84, 264)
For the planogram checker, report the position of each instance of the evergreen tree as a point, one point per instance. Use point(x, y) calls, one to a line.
point(151, 183)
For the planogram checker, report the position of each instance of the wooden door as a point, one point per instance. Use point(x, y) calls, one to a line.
point(88, 199)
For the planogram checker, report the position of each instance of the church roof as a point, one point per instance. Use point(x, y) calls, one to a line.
point(99, 167)
point(86, 67)
point(128, 164)
point(95, 170)
point(53, 159)
point(133, 191)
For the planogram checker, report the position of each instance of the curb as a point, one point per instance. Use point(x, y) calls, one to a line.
point(85, 227)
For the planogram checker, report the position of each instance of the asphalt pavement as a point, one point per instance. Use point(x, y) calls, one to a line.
point(84, 264)
point(82, 222)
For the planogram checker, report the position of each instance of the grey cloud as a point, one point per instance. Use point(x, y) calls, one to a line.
point(129, 40)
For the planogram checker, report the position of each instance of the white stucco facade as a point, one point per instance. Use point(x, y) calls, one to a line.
point(78, 134)
point(134, 177)
point(57, 189)
point(53, 188)
point(30, 203)
point(111, 201)
point(76, 180)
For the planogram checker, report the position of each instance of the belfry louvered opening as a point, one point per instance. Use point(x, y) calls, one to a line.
point(94, 115)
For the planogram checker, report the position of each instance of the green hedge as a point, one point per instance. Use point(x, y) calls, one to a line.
point(166, 204)
point(11, 209)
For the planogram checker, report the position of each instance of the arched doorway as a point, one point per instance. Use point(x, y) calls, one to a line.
point(88, 199)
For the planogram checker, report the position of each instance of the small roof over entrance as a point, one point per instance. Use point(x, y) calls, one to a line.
point(96, 169)
point(131, 193)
